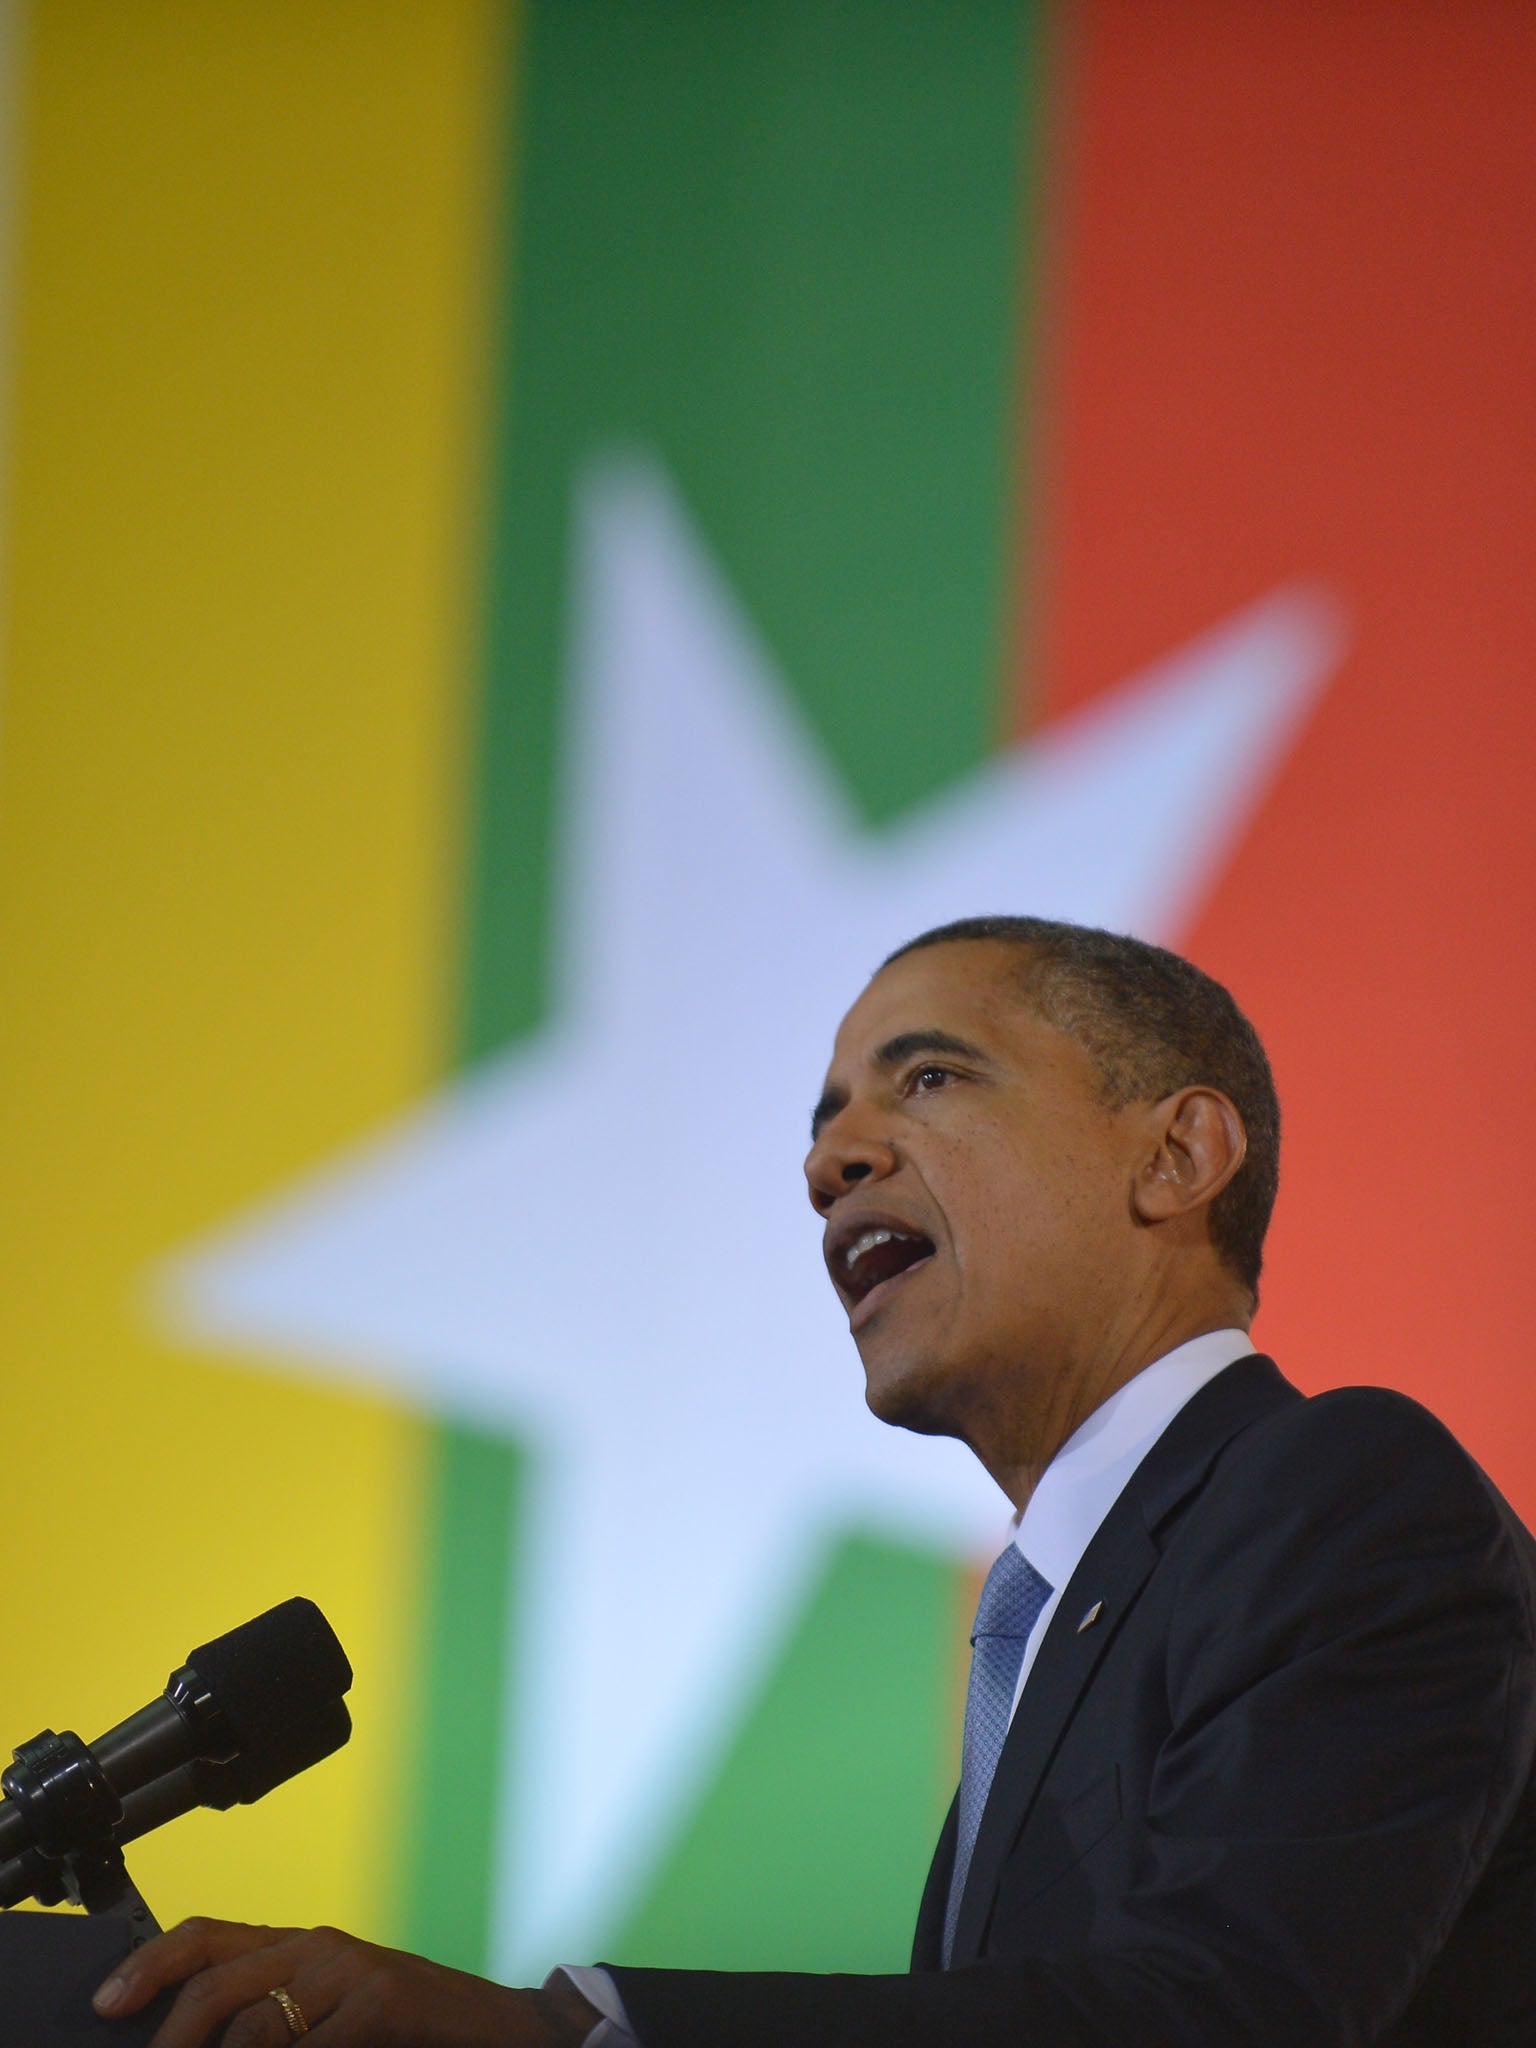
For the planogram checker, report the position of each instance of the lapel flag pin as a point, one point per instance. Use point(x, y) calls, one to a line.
point(1091, 1616)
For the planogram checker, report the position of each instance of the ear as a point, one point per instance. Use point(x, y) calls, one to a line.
point(1198, 1143)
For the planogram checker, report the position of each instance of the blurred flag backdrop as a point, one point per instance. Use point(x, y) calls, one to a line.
point(526, 532)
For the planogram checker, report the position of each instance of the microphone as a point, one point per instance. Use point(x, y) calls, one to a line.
point(240, 1782)
point(244, 1692)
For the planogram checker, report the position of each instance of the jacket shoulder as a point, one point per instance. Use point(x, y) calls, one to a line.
point(1355, 1487)
point(1350, 1435)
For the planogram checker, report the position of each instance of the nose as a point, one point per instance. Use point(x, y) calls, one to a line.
point(850, 1147)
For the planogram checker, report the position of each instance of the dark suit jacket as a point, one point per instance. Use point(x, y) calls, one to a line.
point(1278, 1793)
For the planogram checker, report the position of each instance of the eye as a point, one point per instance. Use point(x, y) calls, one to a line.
point(926, 1078)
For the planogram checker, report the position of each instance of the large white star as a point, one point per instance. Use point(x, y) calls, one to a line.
point(600, 1240)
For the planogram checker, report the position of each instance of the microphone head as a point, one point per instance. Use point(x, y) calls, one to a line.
point(271, 1674)
point(252, 1775)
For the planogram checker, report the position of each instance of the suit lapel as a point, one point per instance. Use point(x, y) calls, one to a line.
point(1114, 1568)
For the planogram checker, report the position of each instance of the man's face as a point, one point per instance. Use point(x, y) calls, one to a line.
point(977, 1198)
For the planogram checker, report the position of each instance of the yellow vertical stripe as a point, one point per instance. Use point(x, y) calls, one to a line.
point(248, 345)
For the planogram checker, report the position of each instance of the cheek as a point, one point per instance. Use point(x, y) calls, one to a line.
point(1041, 1224)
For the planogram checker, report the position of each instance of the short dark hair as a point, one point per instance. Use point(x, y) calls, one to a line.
point(1152, 1023)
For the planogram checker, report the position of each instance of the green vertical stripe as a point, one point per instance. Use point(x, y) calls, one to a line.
point(780, 249)
point(452, 1836)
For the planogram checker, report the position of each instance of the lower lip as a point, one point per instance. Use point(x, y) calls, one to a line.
point(870, 1303)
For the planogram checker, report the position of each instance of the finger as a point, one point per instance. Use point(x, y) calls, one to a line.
point(194, 1945)
point(317, 1987)
point(262, 2025)
point(207, 2001)
point(265, 2024)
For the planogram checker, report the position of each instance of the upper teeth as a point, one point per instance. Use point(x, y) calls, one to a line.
point(866, 1242)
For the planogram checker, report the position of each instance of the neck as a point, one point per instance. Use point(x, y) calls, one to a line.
point(1022, 1441)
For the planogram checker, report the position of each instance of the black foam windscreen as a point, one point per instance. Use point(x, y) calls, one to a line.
point(273, 1672)
point(254, 1774)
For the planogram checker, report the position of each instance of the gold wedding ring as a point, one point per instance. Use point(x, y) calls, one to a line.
point(288, 2006)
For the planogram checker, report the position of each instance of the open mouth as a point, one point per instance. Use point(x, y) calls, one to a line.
point(875, 1255)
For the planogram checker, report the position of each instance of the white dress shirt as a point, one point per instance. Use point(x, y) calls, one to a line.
point(1061, 1518)
point(1088, 1474)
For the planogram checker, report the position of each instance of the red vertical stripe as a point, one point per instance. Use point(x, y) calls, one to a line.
point(1296, 338)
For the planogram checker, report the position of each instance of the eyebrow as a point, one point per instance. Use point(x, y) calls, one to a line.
point(891, 1054)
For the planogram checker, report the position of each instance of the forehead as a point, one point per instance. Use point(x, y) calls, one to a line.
point(969, 988)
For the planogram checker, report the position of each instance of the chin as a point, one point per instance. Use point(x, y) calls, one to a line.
point(911, 1397)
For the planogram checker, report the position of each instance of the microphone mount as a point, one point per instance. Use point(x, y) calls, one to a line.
point(72, 1814)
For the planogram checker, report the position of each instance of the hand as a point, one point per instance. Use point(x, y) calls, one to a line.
point(351, 1994)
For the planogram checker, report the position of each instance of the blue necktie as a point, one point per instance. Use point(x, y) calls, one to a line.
point(1009, 1607)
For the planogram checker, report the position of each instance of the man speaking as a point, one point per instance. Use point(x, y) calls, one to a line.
point(1249, 1737)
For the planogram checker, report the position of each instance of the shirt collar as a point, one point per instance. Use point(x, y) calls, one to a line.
point(1085, 1478)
